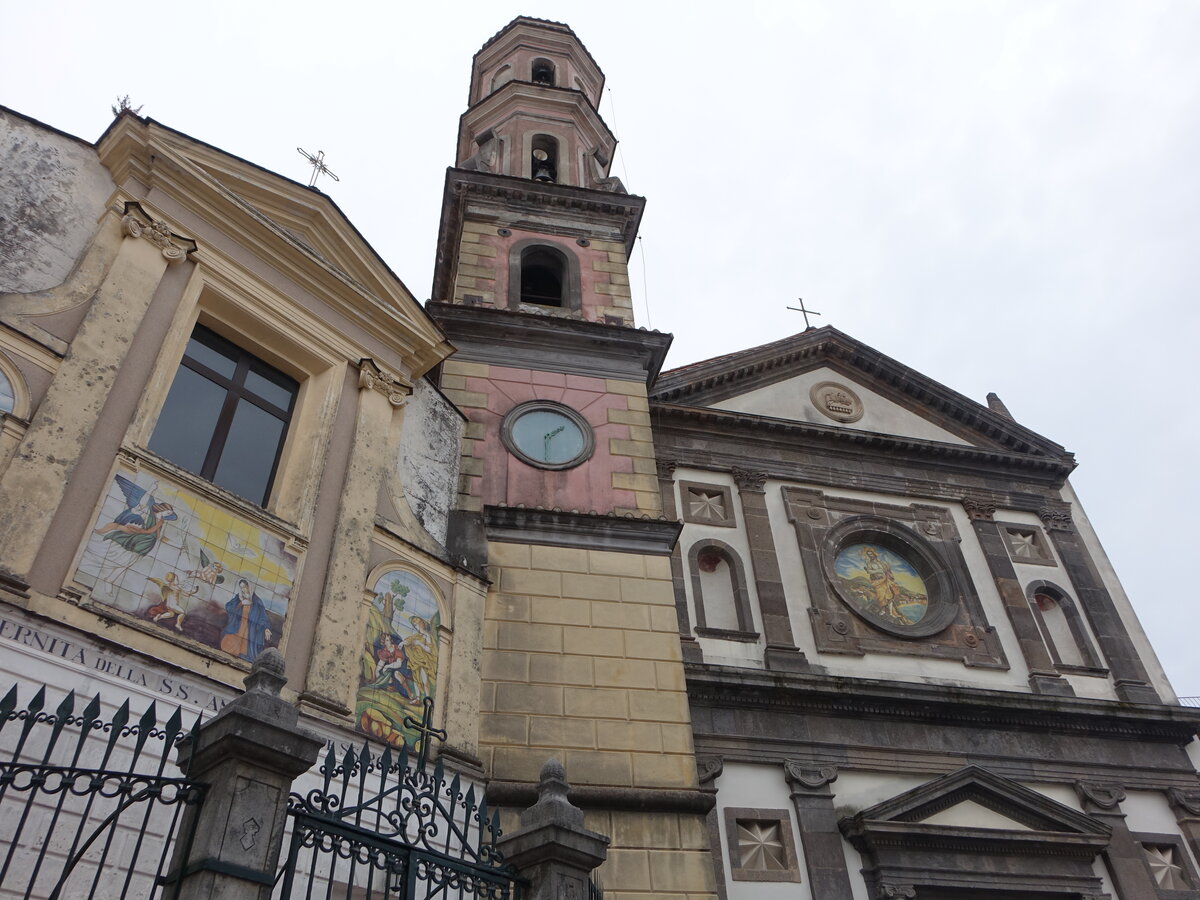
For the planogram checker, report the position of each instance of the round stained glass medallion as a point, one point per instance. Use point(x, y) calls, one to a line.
point(548, 435)
point(882, 584)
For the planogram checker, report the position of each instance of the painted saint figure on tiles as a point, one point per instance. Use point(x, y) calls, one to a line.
point(247, 628)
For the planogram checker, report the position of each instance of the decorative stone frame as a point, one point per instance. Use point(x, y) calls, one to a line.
point(942, 609)
point(1092, 664)
point(959, 629)
point(572, 292)
point(729, 520)
point(1046, 557)
point(1185, 862)
point(741, 594)
point(511, 417)
point(20, 390)
point(734, 814)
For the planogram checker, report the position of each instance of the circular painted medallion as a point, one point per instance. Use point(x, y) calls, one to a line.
point(882, 584)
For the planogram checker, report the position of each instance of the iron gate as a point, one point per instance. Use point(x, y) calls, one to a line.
point(82, 797)
point(383, 826)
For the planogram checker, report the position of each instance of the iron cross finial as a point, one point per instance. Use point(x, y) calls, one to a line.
point(318, 164)
point(804, 312)
point(425, 731)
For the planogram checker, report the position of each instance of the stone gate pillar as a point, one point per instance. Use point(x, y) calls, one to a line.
point(552, 848)
point(247, 755)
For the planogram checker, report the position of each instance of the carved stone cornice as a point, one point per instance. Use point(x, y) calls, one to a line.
point(749, 481)
point(373, 378)
point(1104, 796)
point(709, 768)
point(811, 778)
point(979, 509)
point(1057, 517)
point(137, 223)
point(1184, 802)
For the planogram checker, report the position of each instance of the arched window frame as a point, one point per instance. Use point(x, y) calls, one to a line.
point(20, 390)
point(501, 77)
point(1083, 643)
point(553, 147)
point(572, 293)
point(741, 593)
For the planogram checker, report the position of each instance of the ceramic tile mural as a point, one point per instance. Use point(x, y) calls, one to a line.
point(186, 565)
point(399, 657)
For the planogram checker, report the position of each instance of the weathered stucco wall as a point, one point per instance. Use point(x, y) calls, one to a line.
point(52, 191)
point(428, 460)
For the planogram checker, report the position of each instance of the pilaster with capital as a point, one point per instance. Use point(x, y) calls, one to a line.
point(1043, 676)
point(687, 641)
point(816, 816)
point(1125, 857)
point(37, 476)
point(781, 652)
point(1129, 674)
point(1185, 803)
point(333, 664)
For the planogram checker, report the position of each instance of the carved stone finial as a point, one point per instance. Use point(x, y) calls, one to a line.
point(373, 378)
point(748, 482)
point(553, 807)
point(1105, 796)
point(978, 509)
point(809, 777)
point(266, 675)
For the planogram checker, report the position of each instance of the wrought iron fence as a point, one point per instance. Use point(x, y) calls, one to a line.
point(89, 805)
point(380, 825)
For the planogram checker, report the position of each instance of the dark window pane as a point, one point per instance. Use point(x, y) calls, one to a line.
point(187, 421)
point(271, 386)
point(212, 353)
point(249, 454)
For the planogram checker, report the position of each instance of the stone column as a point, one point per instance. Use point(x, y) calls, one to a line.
point(688, 644)
point(248, 756)
point(552, 848)
point(1186, 806)
point(1124, 855)
point(1129, 675)
point(781, 651)
point(36, 479)
point(819, 833)
point(1044, 678)
point(333, 664)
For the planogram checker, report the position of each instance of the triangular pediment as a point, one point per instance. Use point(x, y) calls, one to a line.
point(300, 231)
point(827, 379)
point(974, 798)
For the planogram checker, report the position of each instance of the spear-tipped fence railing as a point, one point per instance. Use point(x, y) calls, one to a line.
point(89, 806)
point(381, 826)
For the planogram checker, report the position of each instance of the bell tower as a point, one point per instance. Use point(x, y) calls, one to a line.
point(559, 489)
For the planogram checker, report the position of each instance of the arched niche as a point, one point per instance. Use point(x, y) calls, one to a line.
point(719, 591)
point(1061, 626)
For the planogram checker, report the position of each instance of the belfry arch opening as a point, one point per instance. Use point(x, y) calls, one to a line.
point(543, 276)
point(542, 71)
point(543, 158)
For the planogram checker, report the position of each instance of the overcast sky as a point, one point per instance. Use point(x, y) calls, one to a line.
point(1004, 196)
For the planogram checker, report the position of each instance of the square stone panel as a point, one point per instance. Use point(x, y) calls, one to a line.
point(707, 504)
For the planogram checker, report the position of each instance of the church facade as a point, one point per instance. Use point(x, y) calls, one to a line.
point(796, 620)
